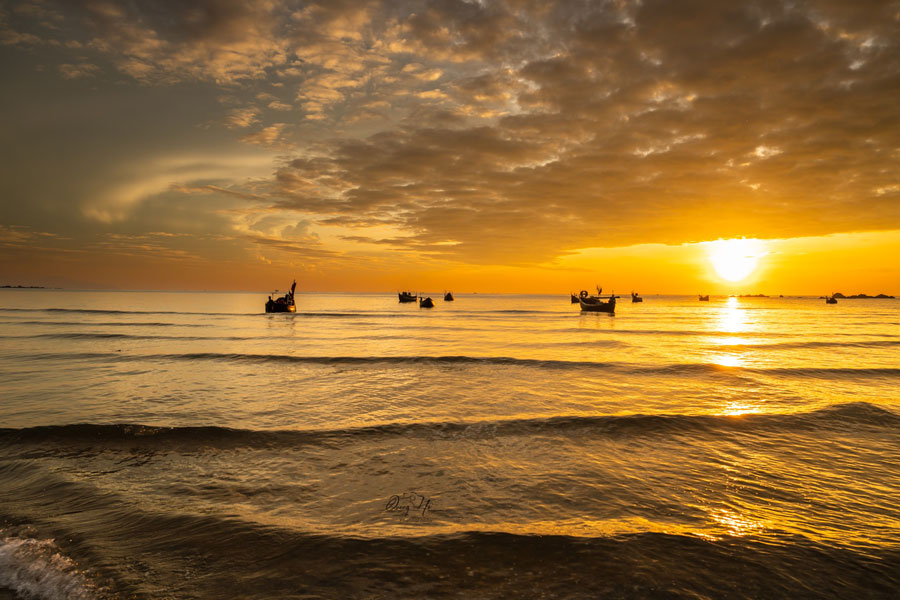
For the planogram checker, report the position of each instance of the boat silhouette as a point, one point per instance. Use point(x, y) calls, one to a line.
point(282, 304)
point(596, 303)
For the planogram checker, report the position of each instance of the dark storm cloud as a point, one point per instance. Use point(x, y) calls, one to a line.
point(517, 131)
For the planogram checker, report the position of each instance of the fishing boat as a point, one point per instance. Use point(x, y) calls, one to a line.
point(704, 298)
point(636, 297)
point(574, 299)
point(596, 303)
point(448, 297)
point(407, 296)
point(426, 303)
point(283, 303)
point(830, 299)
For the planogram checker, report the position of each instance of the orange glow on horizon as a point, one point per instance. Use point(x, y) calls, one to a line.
point(848, 263)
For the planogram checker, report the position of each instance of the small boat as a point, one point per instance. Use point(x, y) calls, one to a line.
point(448, 297)
point(426, 303)
point(407, 296)
point(574, 299)
point(596, 303)
point(830, 300)
point(704, 298)
point(636, 298)
point(284, 303)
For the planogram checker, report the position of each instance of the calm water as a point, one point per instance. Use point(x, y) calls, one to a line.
point(179, 445)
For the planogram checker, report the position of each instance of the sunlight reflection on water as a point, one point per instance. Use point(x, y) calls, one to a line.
point(732, 319)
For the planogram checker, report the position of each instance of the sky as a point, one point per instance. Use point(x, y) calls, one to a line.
point(510, 146)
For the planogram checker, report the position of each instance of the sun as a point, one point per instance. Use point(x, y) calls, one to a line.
point(737, 259)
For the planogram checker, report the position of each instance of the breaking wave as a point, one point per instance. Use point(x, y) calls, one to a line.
point(34, 568)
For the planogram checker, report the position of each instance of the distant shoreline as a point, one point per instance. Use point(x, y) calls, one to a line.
point(25, 287)
point(862, 296)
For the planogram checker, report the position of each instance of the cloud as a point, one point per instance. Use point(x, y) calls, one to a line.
point(10, 35)
point(81, 70)
point(515, 132)
point(18, 236)
point(240, 118)
point(186, 173)
point(158, 245)
point(297, 250)
point(269, 137)
point(224, 41)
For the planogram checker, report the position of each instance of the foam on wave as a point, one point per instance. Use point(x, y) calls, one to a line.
point(35, 568)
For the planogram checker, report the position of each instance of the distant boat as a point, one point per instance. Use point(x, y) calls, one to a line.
point(407, 296)
point(448, 297)
point(284, 303)
point(574, 299)
point(426, 303)
point(830, 300)
point(596, 303)
point(704, 298)
point(636, 297)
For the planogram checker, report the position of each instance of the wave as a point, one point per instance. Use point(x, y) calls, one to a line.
point(238, 558)
point(346, 315)
point(842, 416)
point(712, 333)
point(405, 313)
point(85, 335)
point(674, 369)
point(104, 324)
point(810, 344)
point(97, 311)
point(299, 313)
point(321, 360)
point(35, 568)
point(697, 333)
point(515, 311)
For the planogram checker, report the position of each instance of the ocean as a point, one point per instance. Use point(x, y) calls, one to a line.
point(188, 445)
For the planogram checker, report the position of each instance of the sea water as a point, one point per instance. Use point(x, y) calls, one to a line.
point(188, 445)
